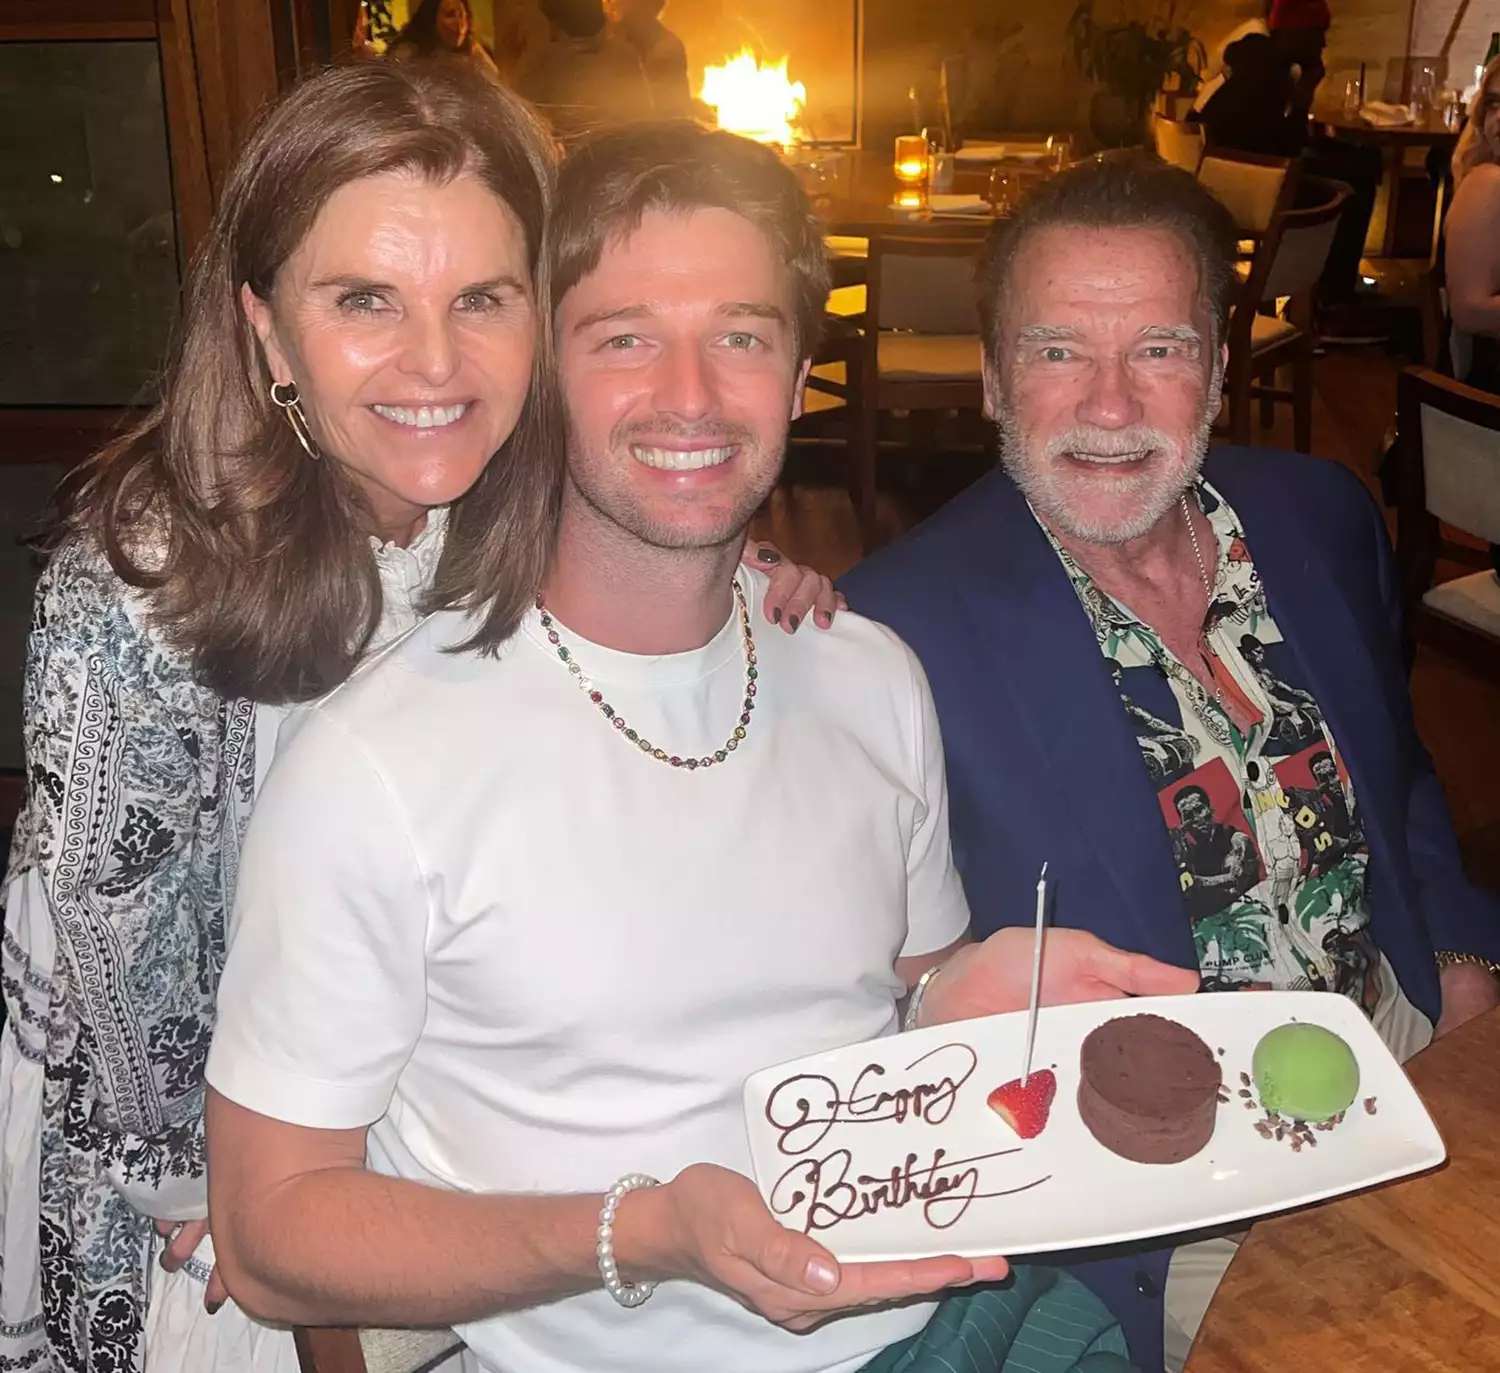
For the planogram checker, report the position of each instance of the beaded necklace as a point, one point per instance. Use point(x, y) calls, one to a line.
point(634, 736)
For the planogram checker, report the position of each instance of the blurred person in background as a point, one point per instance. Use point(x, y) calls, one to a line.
point(442, 28)
point(1299, 29)
point(520, 28)
point(662, 56)
point(1471, 255)
point(585, 78)
point(1256, 110)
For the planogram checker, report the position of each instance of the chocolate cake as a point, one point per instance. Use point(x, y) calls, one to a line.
point(1148, 1089)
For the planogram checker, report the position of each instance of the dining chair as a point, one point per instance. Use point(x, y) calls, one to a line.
point(1449, 475)
point(830, 417)
point(920, 347)
point(1178, 142)
point(847, 254)
point(1251, 186)
point(1272, 322)
point(328, 1350)
point(1437, 324)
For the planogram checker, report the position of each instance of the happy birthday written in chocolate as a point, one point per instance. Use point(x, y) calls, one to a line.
point(819, 1193)
point(804, 1108)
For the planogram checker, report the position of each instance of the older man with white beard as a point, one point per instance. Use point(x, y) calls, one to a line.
point(1109, 574)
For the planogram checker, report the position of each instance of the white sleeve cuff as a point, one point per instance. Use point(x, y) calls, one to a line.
point(278, 1091)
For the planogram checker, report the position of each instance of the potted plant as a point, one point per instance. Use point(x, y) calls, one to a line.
point(1131, 55)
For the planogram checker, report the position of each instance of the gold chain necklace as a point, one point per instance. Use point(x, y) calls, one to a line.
point(1208, 587)
point(634, 736)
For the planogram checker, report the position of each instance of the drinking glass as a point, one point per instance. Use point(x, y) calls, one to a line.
point(1353, 96)
point(911, 159)
point(1005, 188)
point(1423, 85)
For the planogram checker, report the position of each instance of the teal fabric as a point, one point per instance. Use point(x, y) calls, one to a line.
point(1041, 1321)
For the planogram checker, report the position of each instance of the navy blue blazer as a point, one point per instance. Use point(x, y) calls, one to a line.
point(1043, 763)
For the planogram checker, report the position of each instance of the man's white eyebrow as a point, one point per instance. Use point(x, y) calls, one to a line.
point(1177, 333)
point(1046, 333)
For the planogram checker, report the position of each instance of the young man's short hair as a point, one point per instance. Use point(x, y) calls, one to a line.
point(614, 178)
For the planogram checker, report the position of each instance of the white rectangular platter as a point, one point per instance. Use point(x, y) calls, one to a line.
point(847, 1149)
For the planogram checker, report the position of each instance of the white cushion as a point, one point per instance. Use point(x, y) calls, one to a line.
point(1268, 329)
point(1473, 601)
point(930, 357)
point(1247, 190)
point(846, 301)
point(405, 1351)
point(1461, 462)
point(846, 245)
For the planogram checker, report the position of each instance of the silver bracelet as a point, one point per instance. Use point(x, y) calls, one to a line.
point(626, 1293)
point(914, 1006)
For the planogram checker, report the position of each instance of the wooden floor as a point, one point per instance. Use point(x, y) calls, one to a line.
point(1458, 712)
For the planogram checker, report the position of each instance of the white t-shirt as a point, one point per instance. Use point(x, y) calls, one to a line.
point(472, 913)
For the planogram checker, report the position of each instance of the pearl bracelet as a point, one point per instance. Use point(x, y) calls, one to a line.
point(626, 1293)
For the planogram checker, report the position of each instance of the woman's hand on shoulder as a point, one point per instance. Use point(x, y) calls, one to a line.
point(794, 590)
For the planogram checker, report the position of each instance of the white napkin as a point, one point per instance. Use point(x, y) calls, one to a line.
point(1384, 116)
point(958, 205)
point(980, 152)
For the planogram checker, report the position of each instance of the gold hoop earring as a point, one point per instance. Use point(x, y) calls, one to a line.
point(286, 399)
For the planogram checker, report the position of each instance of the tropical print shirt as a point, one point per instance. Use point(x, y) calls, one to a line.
point(1258, 804)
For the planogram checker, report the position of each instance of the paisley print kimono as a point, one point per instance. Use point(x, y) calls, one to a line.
point(121, 879)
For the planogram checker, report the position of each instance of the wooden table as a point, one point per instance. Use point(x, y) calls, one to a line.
point(1393, 143)
point(859, 196)
point(1405, 1277)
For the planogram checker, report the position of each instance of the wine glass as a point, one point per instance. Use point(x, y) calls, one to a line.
point(1004, 191)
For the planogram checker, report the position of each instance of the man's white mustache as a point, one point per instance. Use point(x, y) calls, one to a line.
point(1086, 441)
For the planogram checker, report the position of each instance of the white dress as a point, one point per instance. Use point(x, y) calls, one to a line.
point(58, 1059)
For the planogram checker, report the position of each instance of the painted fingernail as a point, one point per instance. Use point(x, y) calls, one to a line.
point(768, 555)
point(794, 621)
point(823, 618)
point(821, 1275)
point(213, 1307)
point(776, 616)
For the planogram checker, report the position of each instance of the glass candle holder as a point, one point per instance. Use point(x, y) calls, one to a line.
point(911, 159)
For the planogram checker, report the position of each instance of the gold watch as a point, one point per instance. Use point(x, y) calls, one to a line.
point(1448, 958)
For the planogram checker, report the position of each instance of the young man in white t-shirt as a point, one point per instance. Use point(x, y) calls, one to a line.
point(514, 926)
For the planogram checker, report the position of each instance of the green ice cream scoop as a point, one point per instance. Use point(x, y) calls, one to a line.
point(1305, 1072)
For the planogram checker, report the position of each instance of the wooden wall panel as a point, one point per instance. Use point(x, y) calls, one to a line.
point(22, 20)
point(1458, 30)
point(219, 71)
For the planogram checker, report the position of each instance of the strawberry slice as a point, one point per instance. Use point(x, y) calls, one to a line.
point(1025, 1109)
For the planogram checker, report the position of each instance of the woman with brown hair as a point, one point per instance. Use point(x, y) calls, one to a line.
point(1472, 233)
point(442, 28)
point(360, 396)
